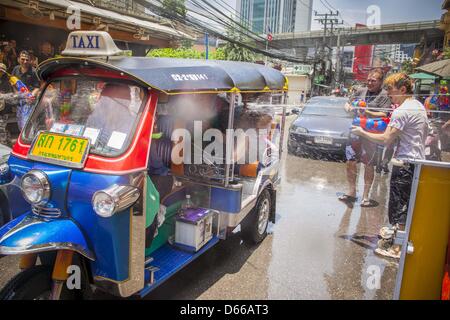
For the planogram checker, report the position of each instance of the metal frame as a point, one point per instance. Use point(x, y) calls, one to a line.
point(230, 145)
point(404, 236)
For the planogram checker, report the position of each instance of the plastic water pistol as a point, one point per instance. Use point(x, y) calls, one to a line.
point(20, 86)
point(373, 125)
point(359, 105)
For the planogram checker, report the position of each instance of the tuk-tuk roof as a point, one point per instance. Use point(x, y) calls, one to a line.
point(175, 76)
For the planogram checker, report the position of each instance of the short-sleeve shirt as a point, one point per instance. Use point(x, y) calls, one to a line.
point(411, 119)
point(378, 100)
point(29, 78)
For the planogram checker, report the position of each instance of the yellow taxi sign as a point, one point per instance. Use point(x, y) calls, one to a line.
point(60, 149)
point(90, 43)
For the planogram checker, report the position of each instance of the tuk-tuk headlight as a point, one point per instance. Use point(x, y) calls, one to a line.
point(36, 187)
point(114, 199)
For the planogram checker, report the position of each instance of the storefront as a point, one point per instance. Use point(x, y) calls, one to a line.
point(32, 23)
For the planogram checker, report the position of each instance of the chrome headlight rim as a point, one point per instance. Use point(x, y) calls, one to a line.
point(45, 184)
point(121, 196)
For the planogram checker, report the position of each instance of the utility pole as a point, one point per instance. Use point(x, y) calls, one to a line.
point(329, 21)
point(206, 45)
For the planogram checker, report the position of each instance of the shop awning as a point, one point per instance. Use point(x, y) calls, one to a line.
point(422, 76)
point(114, 19)
point(438, 68)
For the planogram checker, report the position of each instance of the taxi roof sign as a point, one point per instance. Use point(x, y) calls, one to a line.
point(90, 43)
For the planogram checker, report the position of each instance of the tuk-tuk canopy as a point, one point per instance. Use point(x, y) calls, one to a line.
point(175, 76)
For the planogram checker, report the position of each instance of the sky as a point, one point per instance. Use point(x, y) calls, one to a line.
point(391, 11)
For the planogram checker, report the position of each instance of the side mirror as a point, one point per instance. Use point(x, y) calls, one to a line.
point(295, 111)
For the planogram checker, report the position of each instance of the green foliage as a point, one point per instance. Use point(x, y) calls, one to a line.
point(447, 53)
point(235, 52)
point(185, 53)
point(219, 54)
point(407, 66)
point(175, 6)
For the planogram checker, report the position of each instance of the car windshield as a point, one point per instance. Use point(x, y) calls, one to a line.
point(105, 112)
point(327, 107)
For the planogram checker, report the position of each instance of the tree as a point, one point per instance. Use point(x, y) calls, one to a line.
point(175, 6)
point(408, 66)
point(235, 52)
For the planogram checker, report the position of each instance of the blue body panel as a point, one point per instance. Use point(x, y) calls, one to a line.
point(109, 237)
point(72, 191)
point(29, 232)
point(227, 200)
point(170, 260)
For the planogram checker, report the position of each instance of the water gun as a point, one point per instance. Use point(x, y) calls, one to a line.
point(373, 125)
point(20, 86)
point(359, 104)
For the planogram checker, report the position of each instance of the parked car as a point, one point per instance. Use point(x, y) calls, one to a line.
point(4, 207)
point(323, 126)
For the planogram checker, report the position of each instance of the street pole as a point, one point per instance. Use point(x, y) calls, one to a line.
point(338, 58)
point(267, 48)
point(206, 45)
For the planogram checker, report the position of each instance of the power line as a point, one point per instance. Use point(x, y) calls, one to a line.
point(201, 26)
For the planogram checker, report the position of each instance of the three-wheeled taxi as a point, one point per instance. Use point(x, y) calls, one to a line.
point(111, 207)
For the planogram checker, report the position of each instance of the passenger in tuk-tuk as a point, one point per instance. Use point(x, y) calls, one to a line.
point(114, 112)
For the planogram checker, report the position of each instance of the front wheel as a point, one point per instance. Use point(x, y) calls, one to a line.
point(254, 227)
point(33, 284)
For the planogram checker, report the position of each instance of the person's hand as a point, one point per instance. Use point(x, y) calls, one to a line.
point(348, 107)
point(357, 131)
point(446, 127)
point(30, 99)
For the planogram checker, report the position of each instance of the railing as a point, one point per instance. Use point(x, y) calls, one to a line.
point(410, 26)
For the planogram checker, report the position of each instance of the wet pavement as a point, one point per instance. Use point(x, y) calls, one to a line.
point(318, 249)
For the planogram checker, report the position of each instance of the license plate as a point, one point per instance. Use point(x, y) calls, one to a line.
point(323, 140)
point(60, 149)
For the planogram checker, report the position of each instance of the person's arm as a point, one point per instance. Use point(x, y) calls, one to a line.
point(386, 138)
point(380, 102)
point(375, 114)
point(446, 127)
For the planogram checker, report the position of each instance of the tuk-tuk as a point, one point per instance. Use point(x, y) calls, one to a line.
point(110, 207)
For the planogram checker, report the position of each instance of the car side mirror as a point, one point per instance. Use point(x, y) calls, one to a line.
point(295, 111)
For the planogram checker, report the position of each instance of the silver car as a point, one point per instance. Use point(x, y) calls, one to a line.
point(323, 126)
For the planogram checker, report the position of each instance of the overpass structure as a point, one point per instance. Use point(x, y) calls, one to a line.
point(411, 32)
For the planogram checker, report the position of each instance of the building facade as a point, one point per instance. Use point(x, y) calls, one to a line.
point(275, 16)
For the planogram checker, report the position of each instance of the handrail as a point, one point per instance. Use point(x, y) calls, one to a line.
point(420, 25)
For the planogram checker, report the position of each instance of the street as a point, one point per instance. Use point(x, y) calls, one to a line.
point(318, 248)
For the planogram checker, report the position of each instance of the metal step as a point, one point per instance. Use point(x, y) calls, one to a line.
point(167, 261)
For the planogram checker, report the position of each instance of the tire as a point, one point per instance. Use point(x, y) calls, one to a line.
point(4, 218)
point(254, 226)
point(33, 284)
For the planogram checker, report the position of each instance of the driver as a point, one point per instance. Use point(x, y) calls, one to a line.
point(112, 113)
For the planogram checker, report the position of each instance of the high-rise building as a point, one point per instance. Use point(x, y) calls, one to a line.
point(276, 16)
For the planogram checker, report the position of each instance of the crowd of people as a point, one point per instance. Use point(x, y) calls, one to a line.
point(21, 64)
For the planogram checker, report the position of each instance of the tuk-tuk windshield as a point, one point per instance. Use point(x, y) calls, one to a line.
point(105, 112)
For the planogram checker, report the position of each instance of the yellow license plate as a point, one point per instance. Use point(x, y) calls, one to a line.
point(60, 149)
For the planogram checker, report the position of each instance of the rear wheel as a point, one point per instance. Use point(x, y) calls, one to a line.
point(254, 227)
